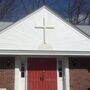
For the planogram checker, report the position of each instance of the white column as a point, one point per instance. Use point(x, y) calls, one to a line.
point(17, 73)
point(59, 79)
point(24, 79)
point(66, 78)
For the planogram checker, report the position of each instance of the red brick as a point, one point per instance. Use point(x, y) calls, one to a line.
point(7, 65)
point(79, 73)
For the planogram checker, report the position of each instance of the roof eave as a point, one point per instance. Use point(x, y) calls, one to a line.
point(44, 52)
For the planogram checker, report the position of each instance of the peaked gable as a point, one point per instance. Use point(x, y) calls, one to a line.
point(24, 36)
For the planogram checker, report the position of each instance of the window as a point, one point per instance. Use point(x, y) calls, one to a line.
point(22, 70)
point(60, 68)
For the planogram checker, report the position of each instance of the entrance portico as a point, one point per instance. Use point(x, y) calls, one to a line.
point(42, 72)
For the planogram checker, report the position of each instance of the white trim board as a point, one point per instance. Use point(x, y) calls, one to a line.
point(46, 52)
point(17, 74)
point(66, 77)
point(20, 83)
point(60, 79)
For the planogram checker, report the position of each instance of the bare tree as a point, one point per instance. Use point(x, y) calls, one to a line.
point(89, 18)
point(25, 8)
point(79, 6)
point(75, 9)
point(7, 7)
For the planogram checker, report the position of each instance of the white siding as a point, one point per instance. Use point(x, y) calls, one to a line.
point(23, 35)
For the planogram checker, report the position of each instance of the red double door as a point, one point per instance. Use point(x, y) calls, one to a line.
point(42, 74)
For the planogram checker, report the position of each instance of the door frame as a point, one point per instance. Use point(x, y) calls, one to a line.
point(18, 79)
point(65, 73)
point(65, 70)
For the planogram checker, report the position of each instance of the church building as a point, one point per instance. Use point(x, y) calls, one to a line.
point(44, 52)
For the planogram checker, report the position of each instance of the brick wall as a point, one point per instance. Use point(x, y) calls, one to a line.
point(79, 73)
point(7, 73)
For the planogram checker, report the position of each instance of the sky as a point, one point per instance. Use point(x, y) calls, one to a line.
point(22, 8)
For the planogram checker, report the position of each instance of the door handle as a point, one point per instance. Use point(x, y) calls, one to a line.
point(41, 78)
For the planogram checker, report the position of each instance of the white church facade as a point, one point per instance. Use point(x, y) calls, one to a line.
point(44, 52)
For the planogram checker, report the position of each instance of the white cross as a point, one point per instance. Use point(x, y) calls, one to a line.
point(44, 27)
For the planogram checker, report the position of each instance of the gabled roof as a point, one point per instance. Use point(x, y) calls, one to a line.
point(23, 35)
point(4, 25)
point(85, 29)
point(80, 28)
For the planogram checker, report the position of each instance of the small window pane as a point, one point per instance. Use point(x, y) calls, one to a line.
point(60, 68)
point(22, 70)
point(60, 74)
point(22, 74)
